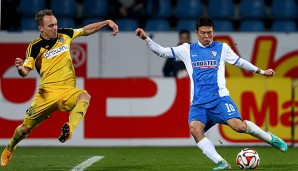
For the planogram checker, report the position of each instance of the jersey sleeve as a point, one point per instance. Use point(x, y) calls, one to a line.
point(229, 55)
point(72, 33)
point(31, 55)
point(181, 52)
point(78, 32)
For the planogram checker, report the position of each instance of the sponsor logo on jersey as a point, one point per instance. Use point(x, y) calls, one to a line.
point(213, 54)
point(54, 52)
point(204, 64)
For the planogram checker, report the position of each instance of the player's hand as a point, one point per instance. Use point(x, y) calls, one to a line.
point(115, 28)
point(19, 63)
point(141, 33)
point(269, 72)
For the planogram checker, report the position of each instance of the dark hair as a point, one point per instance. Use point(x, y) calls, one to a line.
point(40, 14)
point(204, 21)
point(184, 32)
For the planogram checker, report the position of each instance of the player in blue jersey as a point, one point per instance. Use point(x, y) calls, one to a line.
point(210, 101)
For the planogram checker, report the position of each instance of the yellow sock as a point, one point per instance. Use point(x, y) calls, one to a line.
point(77, 114)
point(17, 137)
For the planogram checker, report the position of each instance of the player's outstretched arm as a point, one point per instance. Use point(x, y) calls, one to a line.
point(94, 27)
point(22, 70)
point(242, 63)
point(156, 48)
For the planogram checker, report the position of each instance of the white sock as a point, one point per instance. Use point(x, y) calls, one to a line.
point(209, 150)
point(257, 132)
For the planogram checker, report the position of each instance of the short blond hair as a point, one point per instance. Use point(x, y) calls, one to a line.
point(40, 14)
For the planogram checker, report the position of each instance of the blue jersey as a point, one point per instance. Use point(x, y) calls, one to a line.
point(206, 69)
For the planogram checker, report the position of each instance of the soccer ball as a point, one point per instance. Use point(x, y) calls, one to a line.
point(248, 158)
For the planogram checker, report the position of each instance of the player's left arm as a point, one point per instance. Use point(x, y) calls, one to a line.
point(95, 27)
point(242, 63)
point(232, 58)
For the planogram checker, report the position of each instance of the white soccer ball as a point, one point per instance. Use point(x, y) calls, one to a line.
point(248, 158)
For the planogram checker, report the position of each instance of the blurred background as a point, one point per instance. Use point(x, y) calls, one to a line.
point(157, 15)
point(133, 103)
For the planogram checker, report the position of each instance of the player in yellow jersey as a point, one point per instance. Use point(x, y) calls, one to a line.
point(50, 55)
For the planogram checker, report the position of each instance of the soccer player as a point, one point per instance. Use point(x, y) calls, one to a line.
point(210, 101)
point(50, 55)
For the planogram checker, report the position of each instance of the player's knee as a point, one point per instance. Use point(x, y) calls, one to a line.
point(24, 130)
point(196, 131)
point(241, 127)
point(86, 96)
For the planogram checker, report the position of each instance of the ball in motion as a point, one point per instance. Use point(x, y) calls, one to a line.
point(248, 158)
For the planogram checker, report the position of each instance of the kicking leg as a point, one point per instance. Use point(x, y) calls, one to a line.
point(252, 129)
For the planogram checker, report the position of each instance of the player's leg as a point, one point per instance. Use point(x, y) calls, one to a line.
point(232, 117)
point(252, 129)
point(198, 125)
point(21, 132)
point(78, 102)
point(40, 109)
point(79, 111)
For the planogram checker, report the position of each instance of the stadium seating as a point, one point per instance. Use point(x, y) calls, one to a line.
point(28, 24)
point(127, 24)
point(87, 21)
point(65, 8)
point(157, 25)
point(221, 9)
point(29, 8)
point(189, 9)
point(223, 26)
point(283, 9)
point(186, 25)
point(252, 9)
point(252, 26)
point(159, 9)
point(95, 8)
point(284, 26)
point(66, 23)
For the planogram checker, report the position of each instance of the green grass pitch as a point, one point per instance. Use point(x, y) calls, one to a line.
point(142, 158)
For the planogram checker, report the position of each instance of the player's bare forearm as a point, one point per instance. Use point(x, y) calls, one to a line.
point(95, 27)
point(23, 72)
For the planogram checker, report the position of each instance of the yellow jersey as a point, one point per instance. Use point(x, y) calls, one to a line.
point(52, 59)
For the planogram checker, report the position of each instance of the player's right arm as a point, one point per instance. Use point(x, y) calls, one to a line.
point(32, 52)
point(178, 52)
point(94, 27)
point(22, 70)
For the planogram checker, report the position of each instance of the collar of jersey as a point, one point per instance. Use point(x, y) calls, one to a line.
point(51, 40)
point(201, 45)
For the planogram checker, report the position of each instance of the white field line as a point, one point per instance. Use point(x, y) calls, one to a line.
point(87, 163)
